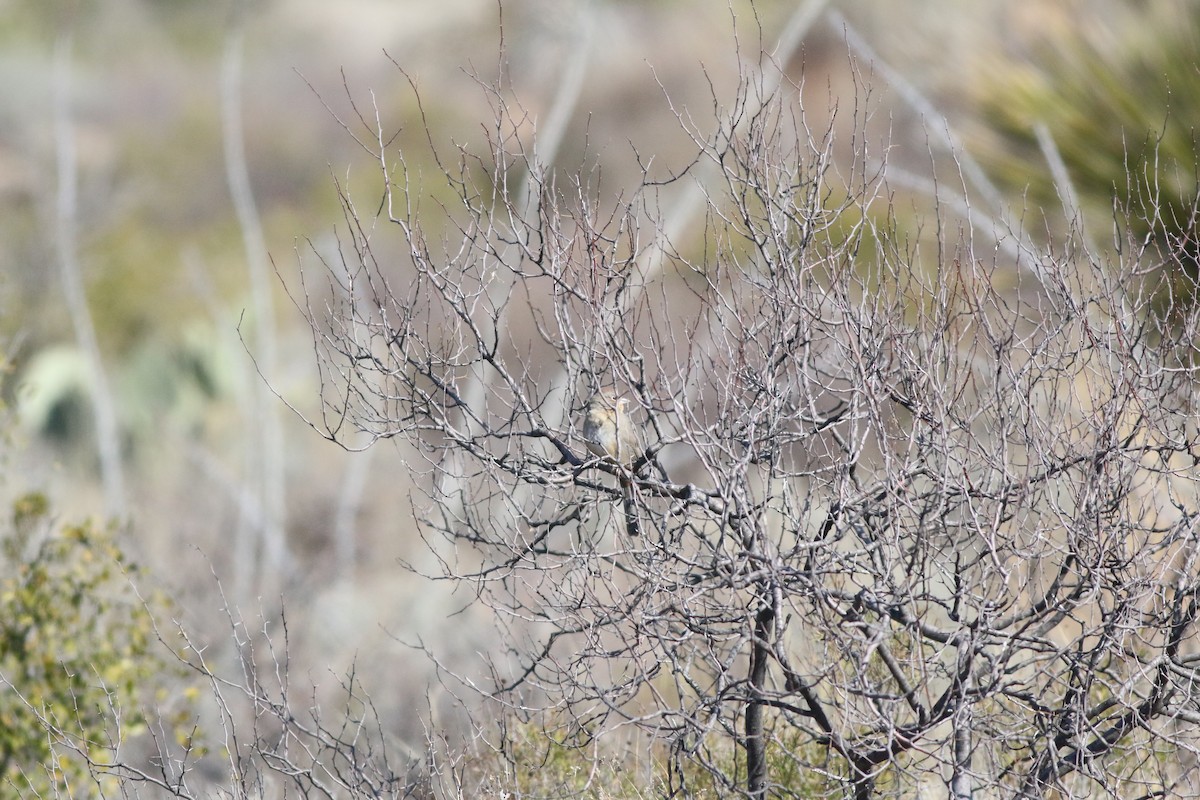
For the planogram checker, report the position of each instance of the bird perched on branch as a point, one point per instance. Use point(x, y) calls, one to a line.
point(610, 433)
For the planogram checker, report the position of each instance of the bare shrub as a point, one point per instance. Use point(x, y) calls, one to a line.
point(909, 516)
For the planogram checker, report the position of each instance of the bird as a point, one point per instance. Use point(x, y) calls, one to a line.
point(609, 433)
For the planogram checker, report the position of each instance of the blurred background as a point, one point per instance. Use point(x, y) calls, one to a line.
point(167, 167)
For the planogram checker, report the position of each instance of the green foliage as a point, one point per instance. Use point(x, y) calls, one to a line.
point(75, 650)
point(541, 763)
point(1122, 111)
point(801, 768)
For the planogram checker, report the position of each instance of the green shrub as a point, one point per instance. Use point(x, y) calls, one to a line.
point(76, 651)
point(1122, 104)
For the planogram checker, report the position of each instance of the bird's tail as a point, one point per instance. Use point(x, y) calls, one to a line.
point(631, 520)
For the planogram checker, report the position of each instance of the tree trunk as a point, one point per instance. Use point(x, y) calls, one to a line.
point(960, 782)
point(756, 743)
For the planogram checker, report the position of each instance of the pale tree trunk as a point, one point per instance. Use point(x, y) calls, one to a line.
point(266, 456)
point(108, 439)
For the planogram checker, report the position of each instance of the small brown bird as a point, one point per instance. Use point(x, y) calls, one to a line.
point(610, 433)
